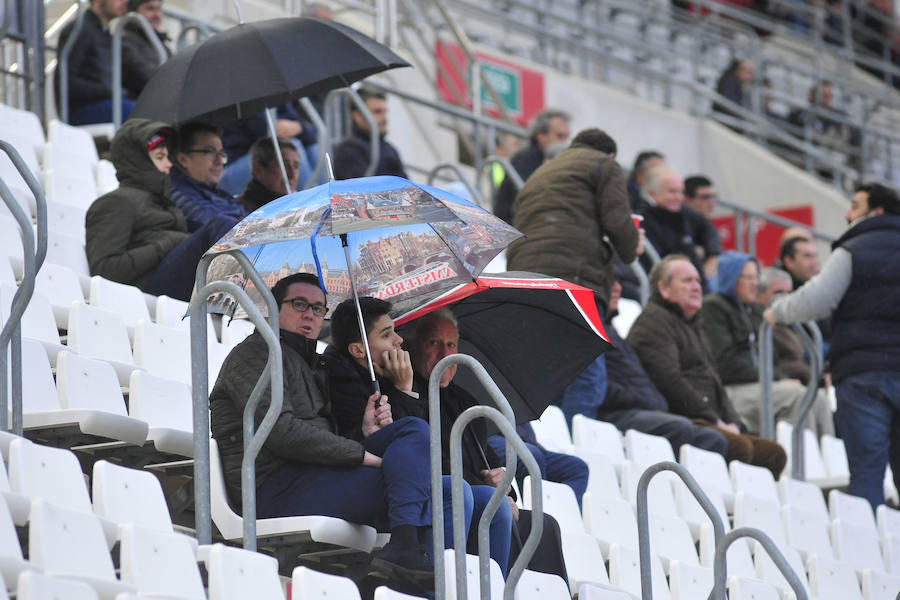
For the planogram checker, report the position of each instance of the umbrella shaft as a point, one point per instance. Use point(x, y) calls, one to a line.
point(359, 319)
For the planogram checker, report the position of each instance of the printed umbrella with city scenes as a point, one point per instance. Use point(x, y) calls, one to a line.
point(372, 236)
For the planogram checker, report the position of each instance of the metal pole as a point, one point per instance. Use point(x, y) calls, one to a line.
point(63, 62)
point(432, 176)
point(117, 27)
point(319, 124)
point(720, 566)
point(798, 449)
point(272, 134)
point(766, 410)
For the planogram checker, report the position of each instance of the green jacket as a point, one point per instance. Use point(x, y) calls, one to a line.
point(132, 228)
point(566, 209)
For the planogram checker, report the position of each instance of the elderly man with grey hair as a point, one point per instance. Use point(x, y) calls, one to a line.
point(548, 127)
point(786, 345)
point(674, 228)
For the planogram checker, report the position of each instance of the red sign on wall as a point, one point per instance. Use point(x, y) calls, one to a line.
point(520, 89)
point(767, 234)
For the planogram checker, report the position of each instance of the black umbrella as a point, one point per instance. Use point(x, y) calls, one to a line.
point(243, 70)
point(532, 333)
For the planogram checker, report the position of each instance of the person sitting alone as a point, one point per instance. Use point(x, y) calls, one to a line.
point(135, 234)
point(267, 183)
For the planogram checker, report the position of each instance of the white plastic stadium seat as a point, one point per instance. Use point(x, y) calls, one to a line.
point(660, 500)
point(167, 408)
point(11, 561)
point(171, 313)
point(600, 437)
point(611, 520)
point(124, 495)
point(73, 139)
point(68, 251)
point(101, 334)
point(11, 243)
point(852, 509)
point(159, 563)
point(552, 431)
point(738, 558)
point(878, 586)
point(806, 533)
point(744, 588)
point(35, 586)
point(237, 574)
point(754, 480)
point(671, 540)
point(856, 545)
point(832, 580)
point(835, 456)
point(533, 585)
point(814, 466)
point(625, 572)
point(803, 495)
point(125, 300)
point(692, 513)
point(687, 582)
point(38, 322)
point(163, 351)
point(767, 571)
point(559, 502)
point(710, 471)
point(472, 581)
point(644, 450)
point(307, 584)
point(584, 561)
point(586, 591)
point(750, 511)
point(61, 286)
point(234, 331)
point(602, 478)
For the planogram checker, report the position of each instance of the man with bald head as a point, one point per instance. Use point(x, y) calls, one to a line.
point(674, 228)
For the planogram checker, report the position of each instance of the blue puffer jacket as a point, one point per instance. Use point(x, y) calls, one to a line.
point(200, 202)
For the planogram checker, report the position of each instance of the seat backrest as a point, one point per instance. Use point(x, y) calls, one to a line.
point(879, 586)
point(803, 494)
point(88, 383)
point(856, 545)
point(68, 251)
point(38, 387)
point(541, 586)
point(689, 581)
point(6, 272)
point(36, 586)
point(234, 331)
point(890, 549)
point(163, 351)
point(750, 511)
point(691, 511)
point(598, 436)
point(59, 285)
point(834, 453)
point(159, 563)
point(806, 533)
point(24, 124)
point(670, 539)
point(105, 175)
point(831, 579)
point(584, 560)
point(558, 501)
point(755, 480)
point(610, 519)
point(643, 449)
point(98, 333)
point(38, 322)
point(236, 574)
point(307, 584)
point(160, 402)
point(64, 186)
point(67, 219)
point(552, 431)
point(9, 539)
point(171, 313)
point(767, 571)
point(706, 466)
point(851, 509)
point(814, 466)
point(887, 519)
point(602, 478)
point(124, 495)
point(738, 558)
point(74, 140)
point(52, 474)
point(592, 592)
point(67, 542)
point(229, 523)
point(660, 500)
point(472, 580)
point(744, 588)
point(625, 572)
point(126, 300)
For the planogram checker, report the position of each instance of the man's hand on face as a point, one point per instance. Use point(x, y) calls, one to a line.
point(396, 367)
point(376, 418)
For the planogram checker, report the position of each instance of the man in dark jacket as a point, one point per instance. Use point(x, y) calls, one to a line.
point(267, 183)
point(633, 402)
point(135, 234)
point(859, 285)
point(198, 165)
point(731, 317)
point(351, 156)
point(139, 56)
point(549, 126)
point(574, 211)
point(90, 65)
point(305, 467)
point(668, 338)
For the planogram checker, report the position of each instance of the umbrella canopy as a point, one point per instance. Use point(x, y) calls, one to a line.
point(241, 71)
point(407, 242)
point(533, 334)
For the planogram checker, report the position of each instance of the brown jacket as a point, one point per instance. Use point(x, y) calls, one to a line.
point(676, 355)
point(565, 209)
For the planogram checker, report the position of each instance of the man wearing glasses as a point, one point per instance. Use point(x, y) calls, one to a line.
point(305, 467)
point(199, 162)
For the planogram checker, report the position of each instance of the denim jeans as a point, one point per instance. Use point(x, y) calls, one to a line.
point(98, 112)
point(588, 390)
point(500, 529)
point(868, 420)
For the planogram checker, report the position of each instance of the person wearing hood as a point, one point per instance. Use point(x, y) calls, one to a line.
point(135, 234)
point(859, 286)
point(668, 338)
point(351, 156)
point(731, 320)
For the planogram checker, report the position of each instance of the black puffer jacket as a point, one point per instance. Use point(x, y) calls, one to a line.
point(304, 431)
point(139, 58)
point(130, 229)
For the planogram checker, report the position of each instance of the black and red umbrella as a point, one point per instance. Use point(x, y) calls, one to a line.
point(534, 334)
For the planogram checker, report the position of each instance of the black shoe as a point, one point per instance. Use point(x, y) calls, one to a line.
point(406, 562)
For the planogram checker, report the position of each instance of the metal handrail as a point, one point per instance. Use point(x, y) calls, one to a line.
point(432, 175)
point(331, 108)
point(117, 28)
point(643, 517)
point(200, 396)
point(505, 421)
point(643, 281)
point(798, 448)
point(504, 162)
point(203, 31)
point(63, 61)
point(740, 209)
point(766, 377)
point(720, 566)
point(33, 253)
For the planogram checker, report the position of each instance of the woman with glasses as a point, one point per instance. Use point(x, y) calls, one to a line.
point(135, 233)
point(199, 163)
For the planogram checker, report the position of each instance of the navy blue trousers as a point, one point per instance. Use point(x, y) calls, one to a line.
point(398, 493)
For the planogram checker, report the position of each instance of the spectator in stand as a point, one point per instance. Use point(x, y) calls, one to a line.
point(700, 195)
point(633, 402)
point(859, 286)
point(135, 234)
point(732, 85)
point(731, 317)
point(351, 156)
point(304, 466)
point(826, 122)
point(700, 198)
point(786, 345)
point(437, 336)
point(546, 127)
point(643, 164)
point(567, 210)
point(139, 57)
point(800, 258)
point(90, 65)
point(669, 340)
point(239, 137)
point(317, 10)
point(198, 166)
point(267, 184)
point(673, 228)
